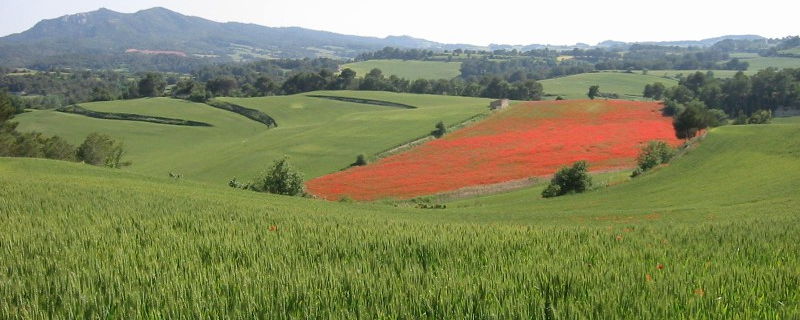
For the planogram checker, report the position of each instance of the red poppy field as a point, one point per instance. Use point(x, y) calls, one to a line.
point(526, 140)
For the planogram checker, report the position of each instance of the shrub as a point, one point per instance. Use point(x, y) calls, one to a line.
point(99, 149)
point(440, 130)
point(360, 161)
point(574, 179)
point(718, 117)
point(280, 178)
point(760, 117)
point(56, 147)
point(652, 155)
point(593, 91)
point(233, 183)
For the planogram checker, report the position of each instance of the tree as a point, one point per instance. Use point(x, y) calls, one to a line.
point(421, 86)
point(152, 85)
point(100, 149)
point(593, 91)
point(7, 109)
point(280, 178)
point(496, 88)
point(221, 86)
point(265, 86)
point(440, 130)
point(654, 91)
point(345, 79)
point(574, 179)
point(527, 90)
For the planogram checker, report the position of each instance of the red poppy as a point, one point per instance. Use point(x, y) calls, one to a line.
point(699, 292)
point(533, 139)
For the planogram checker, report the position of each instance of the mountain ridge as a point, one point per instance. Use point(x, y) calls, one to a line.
point(112, 35)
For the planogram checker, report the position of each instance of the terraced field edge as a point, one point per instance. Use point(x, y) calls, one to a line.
point(251, 114)
point(76, 109)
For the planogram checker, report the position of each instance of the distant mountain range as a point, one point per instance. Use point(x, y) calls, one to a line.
point(107, 34)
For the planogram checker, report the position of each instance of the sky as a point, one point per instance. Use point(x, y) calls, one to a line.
point(463, 21)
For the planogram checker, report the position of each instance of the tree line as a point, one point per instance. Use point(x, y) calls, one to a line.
point(700, 100)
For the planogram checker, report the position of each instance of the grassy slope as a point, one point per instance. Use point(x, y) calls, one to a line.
point(627, 85)
point(763, 160)
point(756, 63)
point(80, 240)
point(320, 135)
point(409, 69)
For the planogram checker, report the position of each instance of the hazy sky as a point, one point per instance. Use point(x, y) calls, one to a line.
point(463, 21)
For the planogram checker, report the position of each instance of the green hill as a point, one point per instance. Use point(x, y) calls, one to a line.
point(408, 69)
point(713, 235)
point(320, 135)
point(626, 85)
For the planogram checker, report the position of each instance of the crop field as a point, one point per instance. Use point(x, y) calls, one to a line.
point(792, 51)
point(527, 140)
point(626, 85)
point(712, 235)
point(408, 69)
point(676, 74)
point(319, 135)
point(761, 63)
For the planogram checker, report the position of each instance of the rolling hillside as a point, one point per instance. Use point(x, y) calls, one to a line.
point(626, 85)
point(99, 242)
point(320, 135)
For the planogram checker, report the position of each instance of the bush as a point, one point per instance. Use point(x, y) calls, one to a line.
point(760, 117)
point(718, 117)
point(652, 155)
point(360, 161)
point(56, 147)
point(280, 178)
point(573, 179)
point(99, 149)
point(440, 130)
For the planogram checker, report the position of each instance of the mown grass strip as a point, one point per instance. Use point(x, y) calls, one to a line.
point(364, 101)
point(76, 109)
point(251, 114)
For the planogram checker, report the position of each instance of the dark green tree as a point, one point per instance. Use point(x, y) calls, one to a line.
point(654, 91)
point(345, 79)
point(695, 117)
point(361, 160)
point(421, 86)
point(221, 86)
point(594, 91)
point(152, 85)
point(440, 130)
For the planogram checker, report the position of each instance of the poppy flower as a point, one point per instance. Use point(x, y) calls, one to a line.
point(531, 139)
